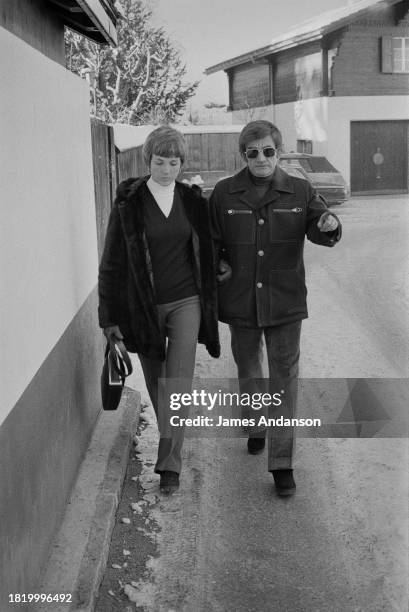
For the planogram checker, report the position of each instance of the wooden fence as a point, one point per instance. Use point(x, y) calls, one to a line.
point(216, 153)
point(130, 163)
point(105, 176)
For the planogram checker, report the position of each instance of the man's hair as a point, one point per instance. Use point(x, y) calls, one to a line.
point(166, 142)
point(259, 129)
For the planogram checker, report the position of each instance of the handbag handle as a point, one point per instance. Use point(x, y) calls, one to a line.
point(120, 359)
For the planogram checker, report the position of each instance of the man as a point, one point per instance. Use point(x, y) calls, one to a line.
point(260, 219)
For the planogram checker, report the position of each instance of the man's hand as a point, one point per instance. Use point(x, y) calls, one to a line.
point(327, 222)
point(225, 271)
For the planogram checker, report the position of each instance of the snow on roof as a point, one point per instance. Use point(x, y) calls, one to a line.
point(307, 30)
point(329, 18)
point(130, 136)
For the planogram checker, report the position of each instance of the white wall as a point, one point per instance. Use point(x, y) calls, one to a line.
point(343, 110)
point(306, 120)
point(326, 121)
point(303, 120)
point(246, 115)
point(48, 249)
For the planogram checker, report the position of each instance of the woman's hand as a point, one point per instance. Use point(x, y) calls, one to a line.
point(113, 333)
point(225, 271)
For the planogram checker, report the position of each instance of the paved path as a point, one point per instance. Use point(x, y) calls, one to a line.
point(225, 542)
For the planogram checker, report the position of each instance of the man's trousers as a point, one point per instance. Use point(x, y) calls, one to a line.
point(283, 351)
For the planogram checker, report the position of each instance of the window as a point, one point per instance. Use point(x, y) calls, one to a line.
point(293, 170)
point(395, 54)
point(332, 53)
point(304, 146)
point(400, 52)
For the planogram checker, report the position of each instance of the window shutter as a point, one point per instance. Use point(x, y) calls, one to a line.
point(387, 54)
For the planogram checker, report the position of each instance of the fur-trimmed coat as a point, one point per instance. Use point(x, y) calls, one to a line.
point(125, 281)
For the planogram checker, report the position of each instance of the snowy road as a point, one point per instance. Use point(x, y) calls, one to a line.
point(225, 542)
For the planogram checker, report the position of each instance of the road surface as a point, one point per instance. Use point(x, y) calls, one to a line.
point(225, 542)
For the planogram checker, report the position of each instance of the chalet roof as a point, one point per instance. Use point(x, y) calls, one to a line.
point(95, 19)
point(308, 31)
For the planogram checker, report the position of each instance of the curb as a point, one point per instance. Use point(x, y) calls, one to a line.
point(90, 514)
point(96, 554)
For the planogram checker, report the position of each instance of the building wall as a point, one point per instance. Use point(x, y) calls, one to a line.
point(341, 111)
point(326, 121)
point(357, 66)
point(303, 120)
point(298, 74)
point(34, 22)
point(260, 112)
point(52, 348)
point(250, 85)
point(348, 62)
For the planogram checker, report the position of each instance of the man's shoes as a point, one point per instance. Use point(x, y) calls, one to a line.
point(169, 482)
point(284, 482)
point(255, 446)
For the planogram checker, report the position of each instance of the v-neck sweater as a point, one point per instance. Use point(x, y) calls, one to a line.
point(170, 246)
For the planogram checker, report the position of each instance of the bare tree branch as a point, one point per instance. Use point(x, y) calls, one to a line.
point(115, 90)
point(147, 69)
point(145, 66)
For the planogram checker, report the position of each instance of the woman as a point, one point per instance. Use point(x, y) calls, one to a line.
point(157, 283)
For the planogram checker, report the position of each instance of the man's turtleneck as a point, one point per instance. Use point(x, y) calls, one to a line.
point(261, 183)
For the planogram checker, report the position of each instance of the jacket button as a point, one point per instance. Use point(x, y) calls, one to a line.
point(261, 253)
point(261, 221)
point(259, 285)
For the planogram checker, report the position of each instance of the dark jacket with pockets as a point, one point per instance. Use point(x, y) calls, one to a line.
point(264, 245)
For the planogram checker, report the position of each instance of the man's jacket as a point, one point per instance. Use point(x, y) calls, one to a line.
point(264, 241)
point(126, 285)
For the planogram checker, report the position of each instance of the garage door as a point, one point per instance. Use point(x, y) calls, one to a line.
point(379, 157)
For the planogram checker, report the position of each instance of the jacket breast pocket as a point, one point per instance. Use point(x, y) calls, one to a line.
point(287, 223)
point(239, 226)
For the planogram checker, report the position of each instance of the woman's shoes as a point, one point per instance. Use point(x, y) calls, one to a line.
point(169, 482)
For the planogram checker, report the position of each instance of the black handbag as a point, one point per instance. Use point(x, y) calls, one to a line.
point(117, 366)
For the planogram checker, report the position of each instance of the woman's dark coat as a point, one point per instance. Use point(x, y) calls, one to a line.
point(125, 282)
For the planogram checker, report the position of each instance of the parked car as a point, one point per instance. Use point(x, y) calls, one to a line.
point(319, 172)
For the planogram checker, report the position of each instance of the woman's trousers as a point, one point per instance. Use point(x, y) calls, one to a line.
point(179, 323)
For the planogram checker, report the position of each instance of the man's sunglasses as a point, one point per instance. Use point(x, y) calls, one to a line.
point(267, 152)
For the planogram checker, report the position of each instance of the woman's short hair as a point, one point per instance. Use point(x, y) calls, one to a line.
point(259, 129)
point(166, 142)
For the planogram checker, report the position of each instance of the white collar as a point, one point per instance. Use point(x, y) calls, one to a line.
point(156, 188)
